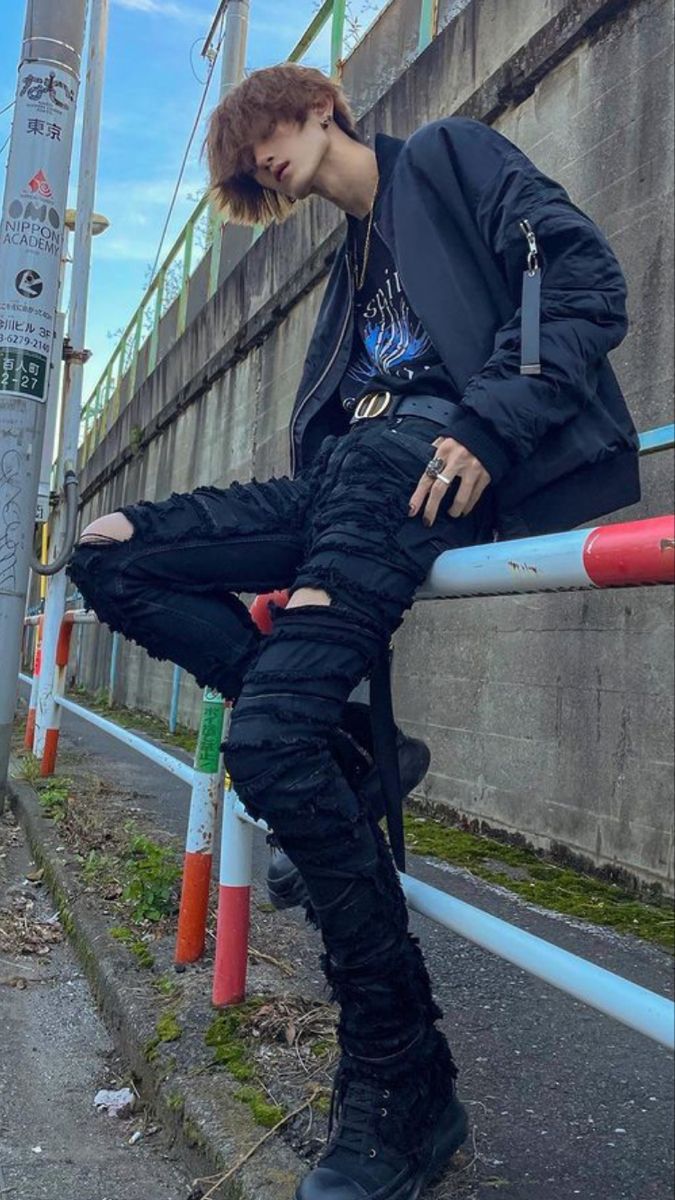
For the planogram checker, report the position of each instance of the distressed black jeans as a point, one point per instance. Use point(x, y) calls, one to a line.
point(342, 526)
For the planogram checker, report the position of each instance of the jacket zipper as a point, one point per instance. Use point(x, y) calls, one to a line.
point(326, 369)
point(533, 249)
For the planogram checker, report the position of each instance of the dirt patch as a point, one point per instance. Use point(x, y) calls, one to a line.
point(22, 931)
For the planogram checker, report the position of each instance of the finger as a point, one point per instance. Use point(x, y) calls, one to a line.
point(479, 488)
point(463, 496)
point(419, 495)
point(435, 497)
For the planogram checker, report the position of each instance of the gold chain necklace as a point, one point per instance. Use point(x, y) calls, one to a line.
point(359, 280)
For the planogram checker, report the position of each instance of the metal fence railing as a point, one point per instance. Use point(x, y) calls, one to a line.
point(631, 554)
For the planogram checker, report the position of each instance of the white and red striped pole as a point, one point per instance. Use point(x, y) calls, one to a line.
point(236, 865)
point(29, 735)
point(51, 733)
point(633, 554)
point(234, 905)
point(207, 787)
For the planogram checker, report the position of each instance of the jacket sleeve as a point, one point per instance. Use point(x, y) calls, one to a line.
point(503, 414)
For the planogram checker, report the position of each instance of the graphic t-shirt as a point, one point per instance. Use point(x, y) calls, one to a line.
point(391, 349)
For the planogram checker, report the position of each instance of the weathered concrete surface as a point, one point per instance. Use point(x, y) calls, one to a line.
point(56, 1054)
point(549, 716)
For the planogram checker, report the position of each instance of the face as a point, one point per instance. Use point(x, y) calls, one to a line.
point(289, 155)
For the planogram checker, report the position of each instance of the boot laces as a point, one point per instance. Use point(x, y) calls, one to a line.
point(355, 1112)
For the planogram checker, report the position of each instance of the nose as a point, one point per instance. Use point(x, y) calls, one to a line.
point(264, 161)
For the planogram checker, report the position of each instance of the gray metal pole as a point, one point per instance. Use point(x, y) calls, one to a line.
point(31, 235)
point(48, 713)
point(234, 45)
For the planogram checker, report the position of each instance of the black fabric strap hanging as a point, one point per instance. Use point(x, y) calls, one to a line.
point(530, 309)
point(386, 752)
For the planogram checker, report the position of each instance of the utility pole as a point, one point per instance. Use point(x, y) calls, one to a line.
point(87, 225)
point(31, 235)
point(234, 45)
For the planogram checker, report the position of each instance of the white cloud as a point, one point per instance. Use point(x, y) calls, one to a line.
point(163, 8)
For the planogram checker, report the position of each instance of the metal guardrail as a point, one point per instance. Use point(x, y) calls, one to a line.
point(105, 403)
point(637, 553)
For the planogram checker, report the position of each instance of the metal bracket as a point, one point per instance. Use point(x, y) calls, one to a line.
point(70, 354)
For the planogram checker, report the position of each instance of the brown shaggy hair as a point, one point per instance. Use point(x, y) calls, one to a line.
point(285, 92)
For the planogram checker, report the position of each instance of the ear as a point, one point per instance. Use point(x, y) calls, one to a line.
point(323, 107)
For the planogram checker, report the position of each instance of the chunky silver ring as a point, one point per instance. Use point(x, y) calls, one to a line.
point(433, 467)
point(444, 479)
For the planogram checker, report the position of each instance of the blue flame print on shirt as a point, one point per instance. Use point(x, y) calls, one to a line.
point(392, 337)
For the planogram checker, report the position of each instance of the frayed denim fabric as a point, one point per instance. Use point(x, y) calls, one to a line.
point(342, 526)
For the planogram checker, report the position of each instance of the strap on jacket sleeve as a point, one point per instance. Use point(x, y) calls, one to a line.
point(503, 413)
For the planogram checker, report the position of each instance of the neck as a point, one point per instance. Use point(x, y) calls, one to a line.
point(348, 175)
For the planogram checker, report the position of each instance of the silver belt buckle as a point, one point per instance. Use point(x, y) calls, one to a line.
point(373, 404)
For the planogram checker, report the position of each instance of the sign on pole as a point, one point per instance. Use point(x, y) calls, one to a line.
point(32, 229)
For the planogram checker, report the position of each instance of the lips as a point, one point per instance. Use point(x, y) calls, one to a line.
point(280, 171)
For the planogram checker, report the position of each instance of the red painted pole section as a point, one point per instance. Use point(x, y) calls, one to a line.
point(234, 905)
point(633, 554)
point(48, 763)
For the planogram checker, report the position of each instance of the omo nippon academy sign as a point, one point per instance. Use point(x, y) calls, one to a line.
point(31, 233)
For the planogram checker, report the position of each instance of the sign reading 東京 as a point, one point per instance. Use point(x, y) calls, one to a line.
point(31, 234)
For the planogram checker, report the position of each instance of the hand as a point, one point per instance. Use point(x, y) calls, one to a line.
point(459, 463)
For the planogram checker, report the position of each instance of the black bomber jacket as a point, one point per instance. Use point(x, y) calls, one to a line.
point(560, 446)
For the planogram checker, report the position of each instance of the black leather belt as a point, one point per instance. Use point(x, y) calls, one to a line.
point(388, 404)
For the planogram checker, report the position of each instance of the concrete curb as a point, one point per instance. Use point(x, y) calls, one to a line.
point(210, 1135)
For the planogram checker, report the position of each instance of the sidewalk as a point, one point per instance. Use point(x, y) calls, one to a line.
point(564, 1102)
point(56, 1054)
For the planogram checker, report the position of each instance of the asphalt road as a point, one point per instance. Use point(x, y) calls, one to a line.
point(564, 1101)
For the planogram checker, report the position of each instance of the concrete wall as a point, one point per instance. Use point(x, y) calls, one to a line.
point(550, 716)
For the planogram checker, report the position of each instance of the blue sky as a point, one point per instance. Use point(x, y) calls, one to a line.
point(150, 100)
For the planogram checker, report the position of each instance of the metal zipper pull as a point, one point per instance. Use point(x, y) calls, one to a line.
point(530, 309)
point(533, 252)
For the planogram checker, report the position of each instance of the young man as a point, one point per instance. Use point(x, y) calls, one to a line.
point(456, 388)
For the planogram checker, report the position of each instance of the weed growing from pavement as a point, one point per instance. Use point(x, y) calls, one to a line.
point(30, 767)
point(541, 881)
point(53, 797)
point(152, 874)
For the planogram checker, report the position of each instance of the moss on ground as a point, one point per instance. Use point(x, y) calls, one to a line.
point(541, 881)
point(226, 1036)
point(263, 1112)
point(168, 1028)
point(134, 944)
point(140, 722)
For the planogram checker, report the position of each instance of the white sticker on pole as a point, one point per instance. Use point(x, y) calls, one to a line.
point(32, 227)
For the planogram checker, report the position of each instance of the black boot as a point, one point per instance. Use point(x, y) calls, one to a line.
point(391, 1131)
point(352, 747)
point(395, 1117)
